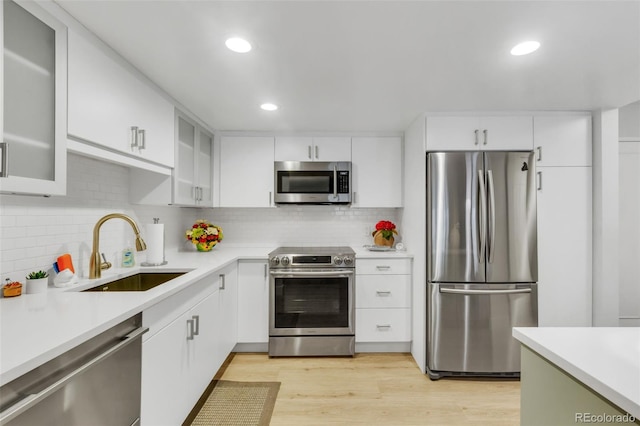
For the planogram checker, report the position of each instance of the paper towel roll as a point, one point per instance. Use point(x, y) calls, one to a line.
point(155, 242)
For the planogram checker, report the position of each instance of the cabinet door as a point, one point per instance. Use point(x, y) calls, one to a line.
point(165, 367)
point(184, 174)
point(293, 148)
point(204, 165)
point(377, 172)
point(246, 171)
point(201, 349)
point(106, 100)
point(506, 133)
point(564, 247)
point(228, 310)
point(453, 133)
point(563, 140)
point(33, 119)
point(253, 302)
point(383, 291)
point(332, 149)
point(383, 325)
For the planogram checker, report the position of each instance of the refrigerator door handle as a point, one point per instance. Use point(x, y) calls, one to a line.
point(492, 216)
point(481, 292)
point(482, 216)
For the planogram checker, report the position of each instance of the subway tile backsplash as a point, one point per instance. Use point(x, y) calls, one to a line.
point(34, 231)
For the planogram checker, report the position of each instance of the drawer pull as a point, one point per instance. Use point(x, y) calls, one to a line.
point(383, 292)
point(383, 326)
point(383, 267)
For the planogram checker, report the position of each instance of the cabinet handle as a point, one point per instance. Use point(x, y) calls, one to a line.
point(539, 151)
point(222, 282)
point(142, 143)
point(317, 152)
point(190, 329)
point(4, 172)
point(265, 271)
point(383, 326)
point(134, 137)
point(383, 292)
point(486, 136)
point(539, 174)
point(269, 198)
point(383, 267)
point(196, 318)
point(476, 137)
point(309, 152)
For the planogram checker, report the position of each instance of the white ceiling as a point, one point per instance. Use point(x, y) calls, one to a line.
point(373, 65)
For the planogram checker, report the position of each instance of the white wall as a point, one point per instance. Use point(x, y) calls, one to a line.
point(605, 219)
point(34, 231)
point(629, 181)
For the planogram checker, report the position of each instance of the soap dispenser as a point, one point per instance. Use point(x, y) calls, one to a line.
point(127, 256)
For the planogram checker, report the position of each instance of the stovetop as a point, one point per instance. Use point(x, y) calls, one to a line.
point(312, 257)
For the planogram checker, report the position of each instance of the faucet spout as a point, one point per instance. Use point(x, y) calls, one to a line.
point(95, 263)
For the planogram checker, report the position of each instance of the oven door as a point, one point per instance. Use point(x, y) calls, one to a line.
point(312, 302)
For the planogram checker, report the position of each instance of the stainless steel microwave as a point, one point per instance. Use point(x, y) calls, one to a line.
point(312, 182)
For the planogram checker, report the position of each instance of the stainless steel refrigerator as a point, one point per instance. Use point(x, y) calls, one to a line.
point(482, 262)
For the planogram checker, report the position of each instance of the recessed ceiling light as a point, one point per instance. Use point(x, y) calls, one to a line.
point(237, 44)
point(525, 48)
point(269, 107)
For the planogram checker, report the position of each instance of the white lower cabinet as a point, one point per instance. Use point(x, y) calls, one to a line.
point(253, 302)
point(564, 247)
point(383, 300)
point(190, 335)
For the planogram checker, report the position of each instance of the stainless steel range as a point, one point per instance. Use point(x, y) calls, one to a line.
point(312, 301)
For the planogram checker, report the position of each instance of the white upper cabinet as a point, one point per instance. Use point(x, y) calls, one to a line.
point(296, 148)
point(33, 118)
point(111, 106)
point(192, 177)
point(377, 171)
point(246, 171)
point(563, 140)
point(485, 133)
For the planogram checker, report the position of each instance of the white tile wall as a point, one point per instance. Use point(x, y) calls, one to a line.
point(34, 231)
point(297, 225)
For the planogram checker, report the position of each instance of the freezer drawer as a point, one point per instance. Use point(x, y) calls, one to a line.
point(469, 327)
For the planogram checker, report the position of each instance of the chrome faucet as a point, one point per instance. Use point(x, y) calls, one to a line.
point(95, 264)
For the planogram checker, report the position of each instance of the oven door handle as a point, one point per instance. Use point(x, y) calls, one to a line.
point(310, 273)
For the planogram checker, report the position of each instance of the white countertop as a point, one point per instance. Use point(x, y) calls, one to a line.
point(35, 328)
point(605, 359)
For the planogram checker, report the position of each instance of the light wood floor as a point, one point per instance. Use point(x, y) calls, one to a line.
point(375, 389)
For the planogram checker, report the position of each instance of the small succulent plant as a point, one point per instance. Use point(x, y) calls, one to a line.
point(37, 275)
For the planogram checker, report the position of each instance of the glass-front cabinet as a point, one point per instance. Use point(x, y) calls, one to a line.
point(34, 92)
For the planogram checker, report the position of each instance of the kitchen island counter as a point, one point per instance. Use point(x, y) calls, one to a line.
point(605, 360)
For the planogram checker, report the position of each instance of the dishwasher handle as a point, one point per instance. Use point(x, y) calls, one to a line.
point(32, 399)
point(478, 292)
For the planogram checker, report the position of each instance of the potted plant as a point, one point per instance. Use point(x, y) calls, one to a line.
point(383, 235)
point(37, 282)
point(204, 235)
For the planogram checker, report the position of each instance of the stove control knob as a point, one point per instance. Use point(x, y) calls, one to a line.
point(275, 261)
point(348, 261)
point(284, 261)
point(337, 260)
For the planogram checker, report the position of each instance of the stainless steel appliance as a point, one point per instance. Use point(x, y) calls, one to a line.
point(96, 383)
point(312, 182)
point(481, 260)
point(312, 301)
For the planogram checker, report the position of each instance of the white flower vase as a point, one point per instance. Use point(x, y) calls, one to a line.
point(38, 285)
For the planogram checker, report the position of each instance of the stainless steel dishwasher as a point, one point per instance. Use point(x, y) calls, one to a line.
point(96, 383)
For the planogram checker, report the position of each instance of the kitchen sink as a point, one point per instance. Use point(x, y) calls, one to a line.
point(142, 281)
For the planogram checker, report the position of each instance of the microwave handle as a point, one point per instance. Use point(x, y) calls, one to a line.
point(335, 182)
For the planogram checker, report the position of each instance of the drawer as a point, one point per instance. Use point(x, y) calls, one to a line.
point(383, 266)
point(383, 291)
point(383, 325)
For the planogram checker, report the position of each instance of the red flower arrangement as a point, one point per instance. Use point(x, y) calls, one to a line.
point(386, 228)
